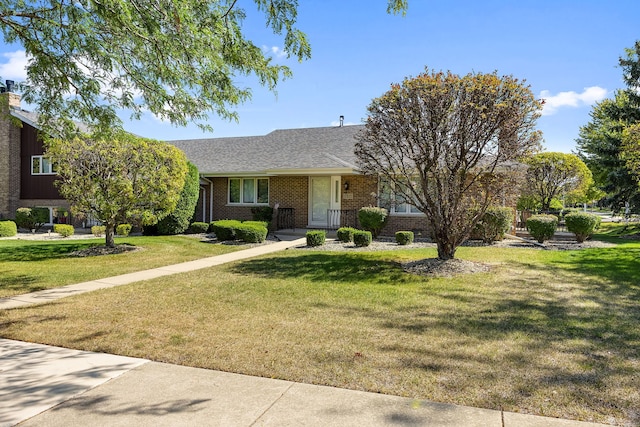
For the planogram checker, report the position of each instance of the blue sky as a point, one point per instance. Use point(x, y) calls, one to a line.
point(566, 50)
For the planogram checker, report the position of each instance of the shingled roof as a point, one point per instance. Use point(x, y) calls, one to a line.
point(286, 151)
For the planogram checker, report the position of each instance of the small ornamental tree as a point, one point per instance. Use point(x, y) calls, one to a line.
point(448, 144)
point(119, 177)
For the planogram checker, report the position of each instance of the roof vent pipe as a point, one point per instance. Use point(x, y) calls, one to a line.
point(341, 121)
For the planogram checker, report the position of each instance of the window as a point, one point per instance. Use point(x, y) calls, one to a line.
point(249, 191)
point(394, 201)
point(41, 165)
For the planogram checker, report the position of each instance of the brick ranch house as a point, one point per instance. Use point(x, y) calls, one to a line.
point(309, 176)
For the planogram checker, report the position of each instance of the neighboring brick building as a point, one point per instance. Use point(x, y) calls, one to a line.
point(26, 176)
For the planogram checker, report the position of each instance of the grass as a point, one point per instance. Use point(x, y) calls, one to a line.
point(33, 265)
point(552, 333)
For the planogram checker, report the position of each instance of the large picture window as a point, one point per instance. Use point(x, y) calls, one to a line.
point(391, 198)
point(249, 191)
point(41, 165)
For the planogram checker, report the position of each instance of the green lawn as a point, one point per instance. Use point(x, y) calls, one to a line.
point(553, 333)
point(33, 265)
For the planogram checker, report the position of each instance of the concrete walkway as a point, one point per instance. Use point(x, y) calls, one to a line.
point(51, 386)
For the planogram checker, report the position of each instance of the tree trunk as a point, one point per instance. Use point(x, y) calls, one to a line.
point(109, 236)
point(446, 250)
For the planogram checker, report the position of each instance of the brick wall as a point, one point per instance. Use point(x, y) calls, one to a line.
point(9, 164)
point(291, 192)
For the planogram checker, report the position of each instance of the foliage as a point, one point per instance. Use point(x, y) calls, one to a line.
point(32, 218)
point(550, 175)
point(345, 234)
point(404, 237)
point(631, 149)
point(542, 227)
point(119, 177)
point(251, 232)
point(446, 143)
point(316, 237)
point(178, 220)
point(98, 230)
point(600, 145)
point(123, 230)
point(362, 238)
point(8, 229)
point(64, 230)
point(373, 219)
point(495, 222)
point(264, 224)
point(198, 227)
point(582, 224)
point(225, 229)
point(262, 213)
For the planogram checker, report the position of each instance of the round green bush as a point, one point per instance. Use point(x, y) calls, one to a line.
point(373, 219)
point(345, 234)
point(32, 218)
point(8, 229)
point(225, 229)
point(495, 222)
point(404, 237)
point(362, 238)
point(198, 227)
point(542, 227)
point(65, 230)
point(251, 233)
point(123, 230)
point(582, 224)
point(316, 237)
point(98, 230)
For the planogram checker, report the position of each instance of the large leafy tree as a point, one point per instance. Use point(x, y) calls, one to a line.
point(178, 59)
point(600, 145)
point(550, 175)
point(119, 179)
point(445, 143)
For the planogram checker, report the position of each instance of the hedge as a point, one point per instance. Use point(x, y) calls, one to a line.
point(123, 230)
point(198, 227)
point(345, 234)
point(8, 229)
point(225, 229)
point(362, 238)
point(65, 230)
point(373, 219)
point(582, 224)
point(404, 237)
point(542, 227)
point(494, 224)
point(251, 232)
point(32, 218)
point(316, 237)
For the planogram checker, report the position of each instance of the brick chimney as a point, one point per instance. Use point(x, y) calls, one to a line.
point(13, 98)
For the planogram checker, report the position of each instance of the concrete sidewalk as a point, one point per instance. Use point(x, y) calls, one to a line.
point(124, 279)
point(51, 386)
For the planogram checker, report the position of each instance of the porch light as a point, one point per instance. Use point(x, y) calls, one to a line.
point(346, 186)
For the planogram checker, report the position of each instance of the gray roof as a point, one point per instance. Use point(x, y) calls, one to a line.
point(31, 118)
point(286, 151)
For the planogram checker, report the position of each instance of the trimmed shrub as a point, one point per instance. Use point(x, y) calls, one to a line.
point(404, 237)
point(123, 230)
point(225, 229)
point(262, 213)
point(316, 237)
point(178, 221)
point(362, 238)
point(345, 234)
point(98, 230)
point(373, 219)
point(582, 224)
point(198, 227)
point(567, 211)
point(542, 227)
point(65, 230)
point(8, 229)
point(32, 218)
point(494, 224)
point(264, 224)
point(251, 232)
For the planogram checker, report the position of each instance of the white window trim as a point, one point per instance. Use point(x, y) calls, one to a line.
point(392, 209)
point(255, 191)
point(41, 158)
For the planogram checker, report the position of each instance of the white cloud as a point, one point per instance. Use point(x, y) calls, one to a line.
point(589, 96)
point(275, 51)
point(16, 67)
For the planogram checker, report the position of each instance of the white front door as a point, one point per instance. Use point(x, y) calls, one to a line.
point(324, 196)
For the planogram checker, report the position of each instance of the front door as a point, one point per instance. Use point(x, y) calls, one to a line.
point(324, 200)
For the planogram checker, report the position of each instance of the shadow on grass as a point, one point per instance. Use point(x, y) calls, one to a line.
point(20, 282)
point(38, 251)
point(325, 267)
